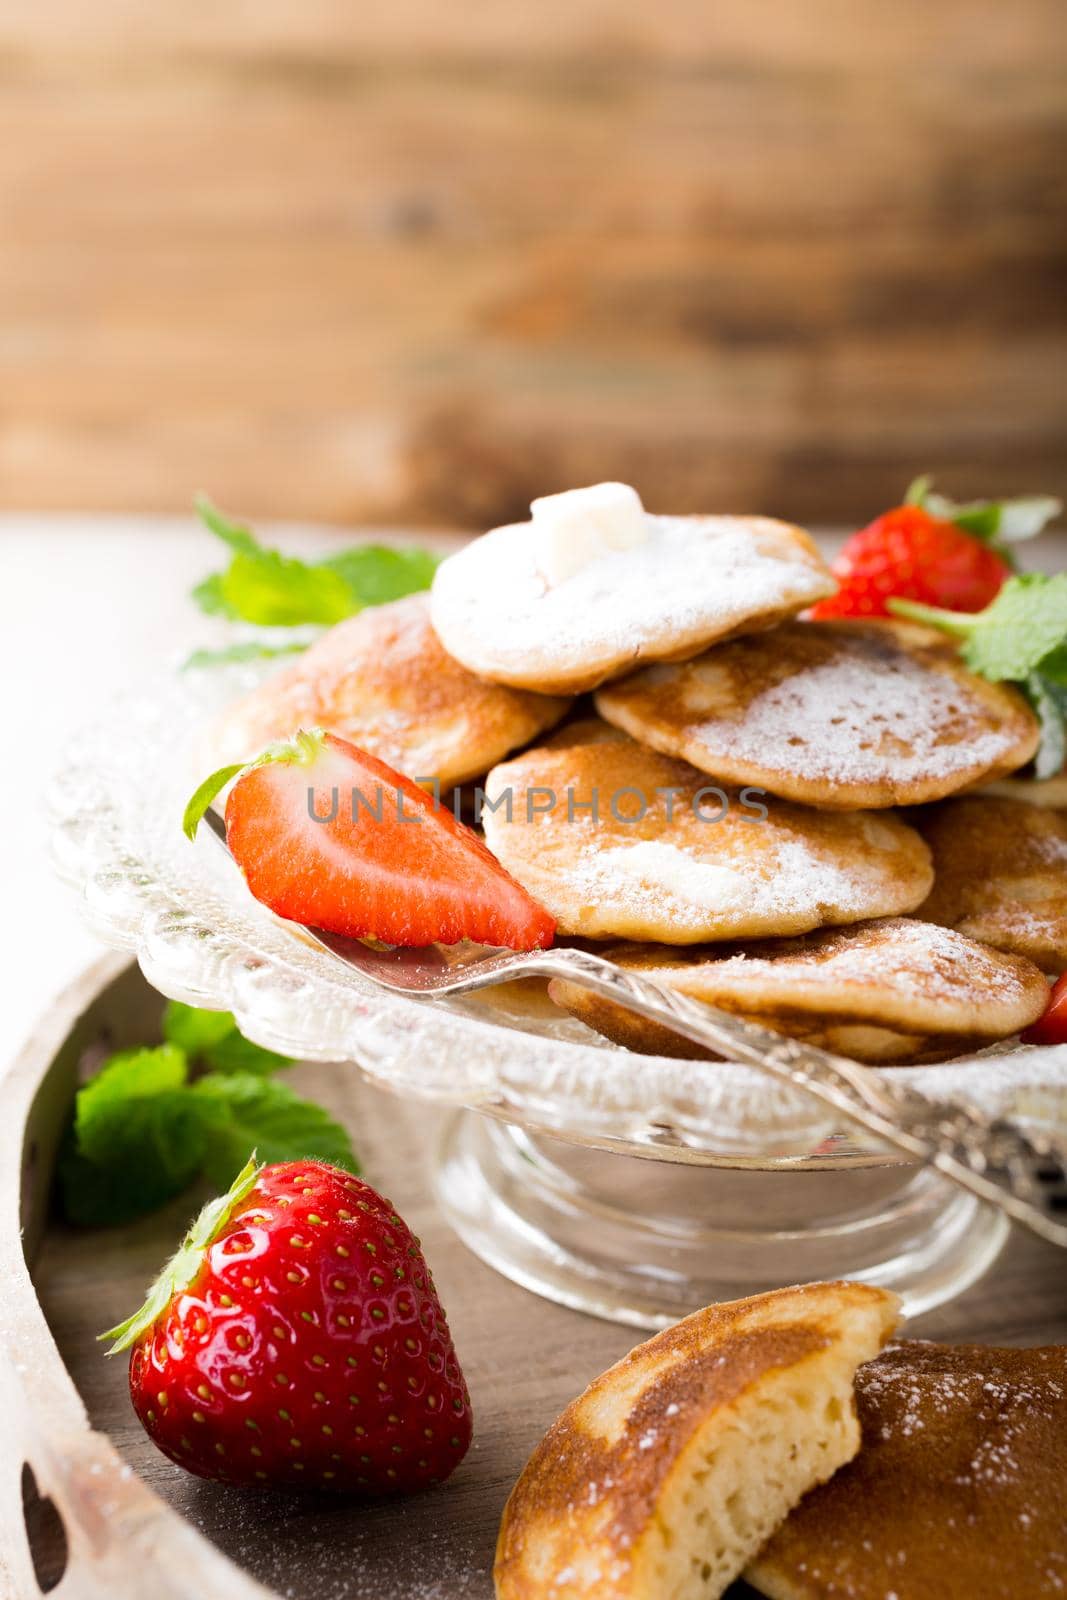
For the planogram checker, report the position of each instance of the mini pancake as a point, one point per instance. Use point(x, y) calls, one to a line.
point(1047, 792)
point(837, 714)
point(1000, 875)
point(670, 858)
point(894, 990)
point(382, 680)
point(672, 1469)
point(692, 580)
point(957, 1491)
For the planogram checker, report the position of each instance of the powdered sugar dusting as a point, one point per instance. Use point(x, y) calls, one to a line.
point(784, 879)
point(693, 577)
point(851, 721)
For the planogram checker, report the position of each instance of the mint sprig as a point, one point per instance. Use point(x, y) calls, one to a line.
point(1020, 638)
point(153, 1119)
point(213, 1041)
point(999, 523)
point(245, 650)
point(269, 589)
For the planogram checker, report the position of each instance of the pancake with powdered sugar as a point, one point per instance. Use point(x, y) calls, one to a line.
point(513, 607)
point(1001, 875)
point(895, 990)
point(667, 858)
point(840, 714)
point(382, 680)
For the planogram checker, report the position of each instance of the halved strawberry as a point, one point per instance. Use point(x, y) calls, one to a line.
point(329, 836)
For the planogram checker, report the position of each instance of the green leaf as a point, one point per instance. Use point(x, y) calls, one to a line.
point(264, 586)
point(1050, 703)
point(208, 595)
point(138, 1137)
point(203, 795)
point(1013, 636)
point(273, 590)
point(996, 522)
point(213, 1039)
point(377, 573)
point(194, 1029)
point(239, 537)
point(1025, 623)
point(183, 1266)
point(299, 751)
point(248, 1112)
point(95, 1196)
point(247, 650)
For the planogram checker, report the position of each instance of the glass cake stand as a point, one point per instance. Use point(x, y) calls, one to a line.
point(634, 1187)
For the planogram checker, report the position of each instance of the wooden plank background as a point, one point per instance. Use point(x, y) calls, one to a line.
point(420, 261)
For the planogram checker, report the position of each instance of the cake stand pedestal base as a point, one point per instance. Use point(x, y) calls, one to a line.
point(647, 1241)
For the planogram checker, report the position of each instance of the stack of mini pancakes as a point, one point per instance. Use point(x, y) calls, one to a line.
point(818, 825)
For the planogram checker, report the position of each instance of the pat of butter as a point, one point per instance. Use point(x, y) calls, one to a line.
point(583, 525)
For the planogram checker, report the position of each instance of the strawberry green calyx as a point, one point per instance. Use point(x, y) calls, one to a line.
point(298, 751)
point(186, 1262)
point(998, 523)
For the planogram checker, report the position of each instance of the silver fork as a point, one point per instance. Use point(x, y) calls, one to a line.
point(1022, 1174)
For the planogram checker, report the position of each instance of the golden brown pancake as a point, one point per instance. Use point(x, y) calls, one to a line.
point(668, 1474)
point(841, 714)
point(956, 1494)
point(382, 680)
point(1046, 792)
point(894, 990)
point(699, 864)
point(1001, 875)
point(694, 580)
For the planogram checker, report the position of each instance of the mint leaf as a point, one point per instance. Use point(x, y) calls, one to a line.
point(235, 1053)
point(265, 587)
point(997, 522)
point(1025, 625)
point(137, 1139)
point(1050, 703)
point(377, 573)
point(1020, 638)
point(247, 650)
point(245, 1112)
point(213, 1040)
point(194, 1029)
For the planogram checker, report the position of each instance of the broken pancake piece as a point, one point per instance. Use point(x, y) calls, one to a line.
point(383, 681)
point(667, 857)
point(896, 990)
point(594, 585)
point(957, 1491)
point(837, 714)
point(674, 1467)
point(1001, 875)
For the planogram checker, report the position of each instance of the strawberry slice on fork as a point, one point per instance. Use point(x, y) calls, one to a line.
point(331, 837)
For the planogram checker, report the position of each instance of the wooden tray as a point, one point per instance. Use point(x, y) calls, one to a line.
point(90, 1509)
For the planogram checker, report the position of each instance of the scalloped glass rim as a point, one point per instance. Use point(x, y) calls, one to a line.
point(199, 936)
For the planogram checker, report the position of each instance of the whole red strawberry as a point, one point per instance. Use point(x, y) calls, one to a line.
point(911, 555)
point(297, 1338)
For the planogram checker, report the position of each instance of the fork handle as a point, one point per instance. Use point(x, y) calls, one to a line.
point(1021, 1174)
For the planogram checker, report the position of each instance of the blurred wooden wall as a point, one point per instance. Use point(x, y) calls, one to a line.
point(421, 261)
